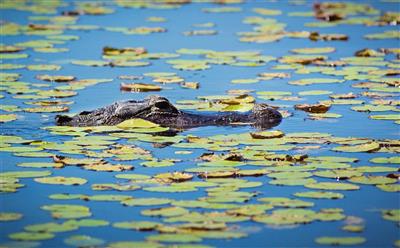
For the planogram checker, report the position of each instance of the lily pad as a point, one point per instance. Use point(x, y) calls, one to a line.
point(175, 238)
point(10, 216)
point(61, 180)
point(372, 180)
point(319, 195)
point(137, 225)
point(165, 212)
point(340, 240)
point(145, 201)
point(83, 241)
point(8, 117)
point(368, 147)
point(33, 236)
point(332, 186)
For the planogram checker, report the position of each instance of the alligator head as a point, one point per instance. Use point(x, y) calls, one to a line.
point(150, 108)
point(159, 110)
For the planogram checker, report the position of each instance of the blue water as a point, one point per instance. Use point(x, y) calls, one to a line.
point(365, 203)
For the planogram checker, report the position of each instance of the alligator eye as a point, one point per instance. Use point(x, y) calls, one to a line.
point(162, 105)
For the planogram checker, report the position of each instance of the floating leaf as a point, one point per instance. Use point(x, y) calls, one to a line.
point(31, 236)
point(67, 211)
point(10, 216)
point(94, 63)
point(137, 225)
point(24, 174)
point(139, 87)
point(340, 240)
point(43, 67)
point(55, 78)
point(353, 228)
point(83, 241)
point(389, 187)
point(145, 201)
point(310, 81)
point(332, 186)
point(61, 180)
point(286, 202)
point(368, 147)
point(50, 227)
point(372, 180)
point(8, 117)
point(135, 244)
point(41, 165)
point(319, 195)
point(176, 237)
point(165, 212)
point(394, 117)
point(314, 50)
point(386, 160)
point(136, 123)
point(391, 214)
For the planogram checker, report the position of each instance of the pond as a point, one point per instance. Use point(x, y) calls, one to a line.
point(326, 175)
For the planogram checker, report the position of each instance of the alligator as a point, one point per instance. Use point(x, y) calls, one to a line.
point(159, 110)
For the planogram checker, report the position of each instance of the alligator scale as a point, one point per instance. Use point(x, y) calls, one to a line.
point(159, 110)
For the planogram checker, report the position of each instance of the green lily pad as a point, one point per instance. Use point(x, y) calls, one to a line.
point(314, 92)
point(391, 214)
point(353, 228)
point(165, 212)
point(8, 117)
point(394, 117)
point(50, 227)
point(135, 244)
point(10, 216)
point(145, 201)
point(368, 147)
point(55, 78)
point(41, 165)
point(175, 238)
point(67, 211)
point(108, 197)
point(61, 180)
point(373, 108)
point(338, 174)
point(136, 123)
point(386, 160)
point(137, 225)
point(340, 240)
point(111, 186)
point(285, 202)
point(286, 217)
point(24, 174)
point(94, 63)
point(33, 236)
point(83, 241)
point(389, 187)
point(313, 50)
point(310, 81)
point(43, 67)
point(319, 195)
point(292, 181)
point(88, 223)
point(132, 176)
point(332, 186)
point(372, 180)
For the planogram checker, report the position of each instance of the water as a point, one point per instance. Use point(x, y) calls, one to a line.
point(365, 203)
